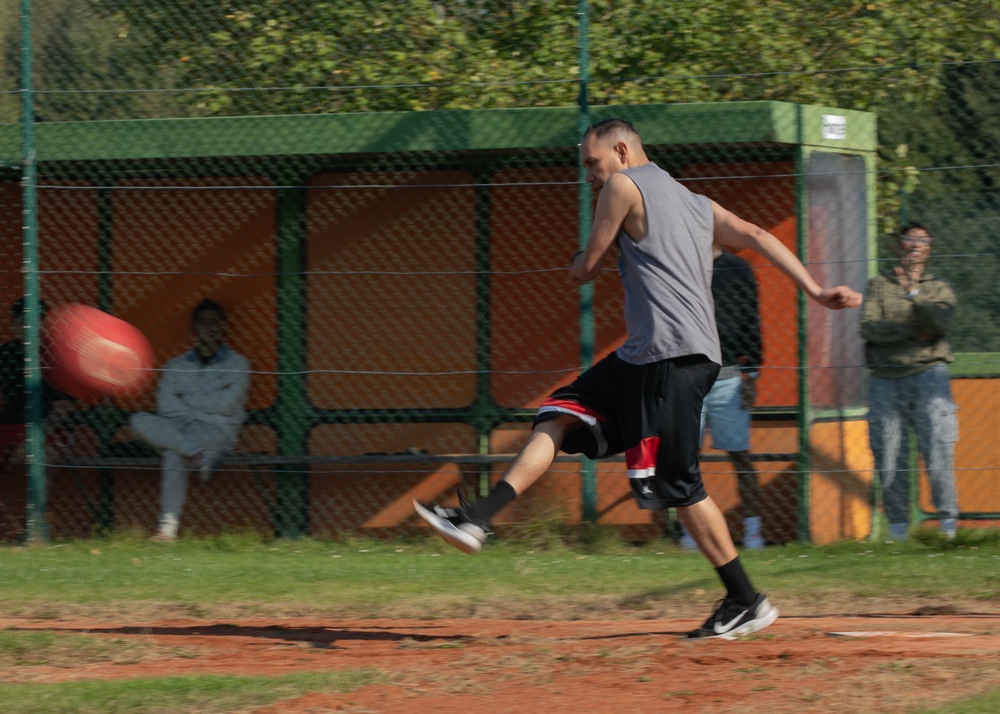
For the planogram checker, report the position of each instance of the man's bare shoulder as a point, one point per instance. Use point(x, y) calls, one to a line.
point(621, 180)
point(625, 199)
point(621, 187)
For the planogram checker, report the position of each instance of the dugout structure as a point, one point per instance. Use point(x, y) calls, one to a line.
point(398, 283)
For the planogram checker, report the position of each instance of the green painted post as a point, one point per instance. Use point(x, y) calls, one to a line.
point(105, 518)
point(293, 414)
point(871, 191)
point(587, 333)
point(105, 249)
point(484, 408)
point(803, 462)
point(37, 529)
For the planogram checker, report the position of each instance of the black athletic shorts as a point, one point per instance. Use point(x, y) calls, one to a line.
point(651, 412)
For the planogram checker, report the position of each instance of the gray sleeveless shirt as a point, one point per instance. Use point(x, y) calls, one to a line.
point(667, 275)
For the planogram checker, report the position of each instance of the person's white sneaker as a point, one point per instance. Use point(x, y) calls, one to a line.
point(731, 620)
point(455, 526)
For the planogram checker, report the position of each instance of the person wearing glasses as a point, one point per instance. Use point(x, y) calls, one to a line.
point(905, 320)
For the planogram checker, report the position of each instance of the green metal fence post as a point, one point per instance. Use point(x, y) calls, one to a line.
point(37, 529)
point(293, 419)
point(804, 462)
point(484, 408)
point(588, 469)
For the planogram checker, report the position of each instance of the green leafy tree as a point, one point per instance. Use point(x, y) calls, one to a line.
point(954, 144)
point(269, 56)
point(929, 70)
point(86, 65)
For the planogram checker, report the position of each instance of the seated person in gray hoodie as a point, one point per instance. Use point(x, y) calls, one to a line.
point(200, 407)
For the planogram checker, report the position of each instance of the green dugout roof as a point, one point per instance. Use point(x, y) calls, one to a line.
point(739, 123)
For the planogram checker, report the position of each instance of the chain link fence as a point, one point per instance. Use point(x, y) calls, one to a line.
point(383, 197)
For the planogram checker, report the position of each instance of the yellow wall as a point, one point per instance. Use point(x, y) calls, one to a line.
point(840, 483)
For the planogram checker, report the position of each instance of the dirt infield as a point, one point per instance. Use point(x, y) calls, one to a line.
point(867, 663)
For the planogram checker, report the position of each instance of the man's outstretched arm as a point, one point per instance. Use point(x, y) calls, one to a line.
point(733, 231)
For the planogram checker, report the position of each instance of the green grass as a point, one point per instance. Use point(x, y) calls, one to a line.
point(359, 578)
point(208, 693)
point(988, 703)
point(976, 364)
point(125, 580)
point(44, 648)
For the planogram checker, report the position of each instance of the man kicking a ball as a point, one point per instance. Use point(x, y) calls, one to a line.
point(645, 398)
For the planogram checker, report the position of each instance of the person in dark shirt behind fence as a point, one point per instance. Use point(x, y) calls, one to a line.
point(726, 410)
point(56, 406)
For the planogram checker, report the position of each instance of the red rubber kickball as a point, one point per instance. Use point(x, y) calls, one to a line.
point(90, 354)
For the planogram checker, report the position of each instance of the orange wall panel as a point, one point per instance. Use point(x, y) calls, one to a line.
point(534, 304)
point(379, 497)
point(175, 242)
point(977, 456)
point(67, 246)
point(392, 290)
point(763, 193)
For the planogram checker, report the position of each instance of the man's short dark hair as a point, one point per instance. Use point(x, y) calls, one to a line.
point(206, 305)
point(914, 225)
point(17, 309)
point(609, 127)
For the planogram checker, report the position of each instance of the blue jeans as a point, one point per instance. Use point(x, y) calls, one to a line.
point(921, 404)
point(725, 415)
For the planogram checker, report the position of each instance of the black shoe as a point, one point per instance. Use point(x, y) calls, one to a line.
point(454, 524)
point(731, 620)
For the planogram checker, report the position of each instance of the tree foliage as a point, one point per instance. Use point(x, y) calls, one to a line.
point(928, 69)
point(271, 56)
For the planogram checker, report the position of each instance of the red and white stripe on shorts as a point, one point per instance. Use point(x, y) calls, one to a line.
point(586, 415)
point(640, 460)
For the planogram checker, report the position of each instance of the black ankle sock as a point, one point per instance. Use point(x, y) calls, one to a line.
point(500, 496)
point(736, 581)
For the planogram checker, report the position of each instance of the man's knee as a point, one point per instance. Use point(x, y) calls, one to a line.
point(141, 424)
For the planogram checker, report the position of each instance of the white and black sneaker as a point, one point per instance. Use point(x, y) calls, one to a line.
point(454, 525)
point(731, 620)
